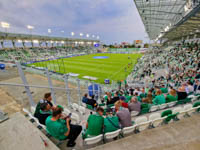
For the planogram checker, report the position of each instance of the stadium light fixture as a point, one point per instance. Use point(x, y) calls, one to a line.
point(19, 41)
point(93, 36)
point(72, 33)
point(81, 34)
point(87, 35)
point(5, 25)
point(49, 31)
point(35, 41)
point(98, 37)
point(30, 28)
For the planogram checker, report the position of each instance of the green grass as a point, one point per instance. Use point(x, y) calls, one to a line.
point(112, 68)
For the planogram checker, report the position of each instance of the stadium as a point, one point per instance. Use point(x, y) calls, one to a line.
point(82, 91)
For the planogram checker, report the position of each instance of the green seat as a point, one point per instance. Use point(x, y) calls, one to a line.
point(144, 110)
point(103, 104)
point(196, 105)
point(166, 113)
point(89, 107)
point(169, 115)
point(110, 105)
point(184, 101)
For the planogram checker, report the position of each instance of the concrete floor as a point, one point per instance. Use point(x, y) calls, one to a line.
point(180, 135)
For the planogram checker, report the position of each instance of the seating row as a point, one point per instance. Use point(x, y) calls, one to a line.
point(141, 123)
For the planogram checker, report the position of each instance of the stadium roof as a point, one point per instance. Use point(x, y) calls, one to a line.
point(188, 26)
point(15, 36)
point(159, 15)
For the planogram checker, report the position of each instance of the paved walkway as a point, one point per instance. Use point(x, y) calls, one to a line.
point(180, 135)
point(18, 133)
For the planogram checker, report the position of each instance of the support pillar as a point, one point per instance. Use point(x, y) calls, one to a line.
point(28, 91)
point(2, 44)
point(13, 43)
point(79, 91)
point(51, 85)
point(66, 77)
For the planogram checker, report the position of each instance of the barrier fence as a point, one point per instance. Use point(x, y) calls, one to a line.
point(69, 94)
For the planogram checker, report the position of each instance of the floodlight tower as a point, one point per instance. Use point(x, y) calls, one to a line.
point(81, 34)
point(49, 31)
point(5, 25)
point(72, 33)
point(87, 35)
point(29, 27)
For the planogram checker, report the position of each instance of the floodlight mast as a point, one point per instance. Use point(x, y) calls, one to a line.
point(29, 27)
point(72, 33)
point(49, 31)
point(5, 25)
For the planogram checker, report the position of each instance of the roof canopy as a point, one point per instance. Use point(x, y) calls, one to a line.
point(159, 15)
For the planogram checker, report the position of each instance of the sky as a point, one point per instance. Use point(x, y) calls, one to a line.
point(114, 21)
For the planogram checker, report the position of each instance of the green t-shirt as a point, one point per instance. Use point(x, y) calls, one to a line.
point(108, 126)
point(128, 98)
point(159, 99)
point(171, 98)
point(106, 98)
point(164, 90)
point(95, 125)
point(139, 99)
point(143, 95)
point(57, 128)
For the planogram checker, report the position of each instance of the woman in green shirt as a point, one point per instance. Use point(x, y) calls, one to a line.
point(172, 96)
point(159, 99)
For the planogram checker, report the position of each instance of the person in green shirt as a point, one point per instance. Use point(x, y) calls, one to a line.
point(172, 96)
point(94, 126)
point(159, 99)
point(164, 89)
point(61, 128)
point(47, 99)
point(111, 123)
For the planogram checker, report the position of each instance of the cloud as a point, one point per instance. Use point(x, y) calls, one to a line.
point(113, 20)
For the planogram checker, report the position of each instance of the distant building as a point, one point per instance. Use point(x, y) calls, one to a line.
point(138, 43)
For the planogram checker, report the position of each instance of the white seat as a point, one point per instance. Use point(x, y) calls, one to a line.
point(75, 106)
point(32, 109)
point(142, 123)
point(155, 119)
point(187, 107)
point(191, 111)
point(180, 111)
point(153, 108)
point(128, 130)
point(112, 135)
point(84, 105)
point(82, 110)
point(76, 118)
point(66, 111)
point(134, 113)
point(93, 140)
point(191, 96)
point(32, 117)
point(181, 114)
point(163, 106)
point(177, 109)
point(171, 104)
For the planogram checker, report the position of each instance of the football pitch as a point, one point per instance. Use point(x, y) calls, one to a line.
point(110, 66)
